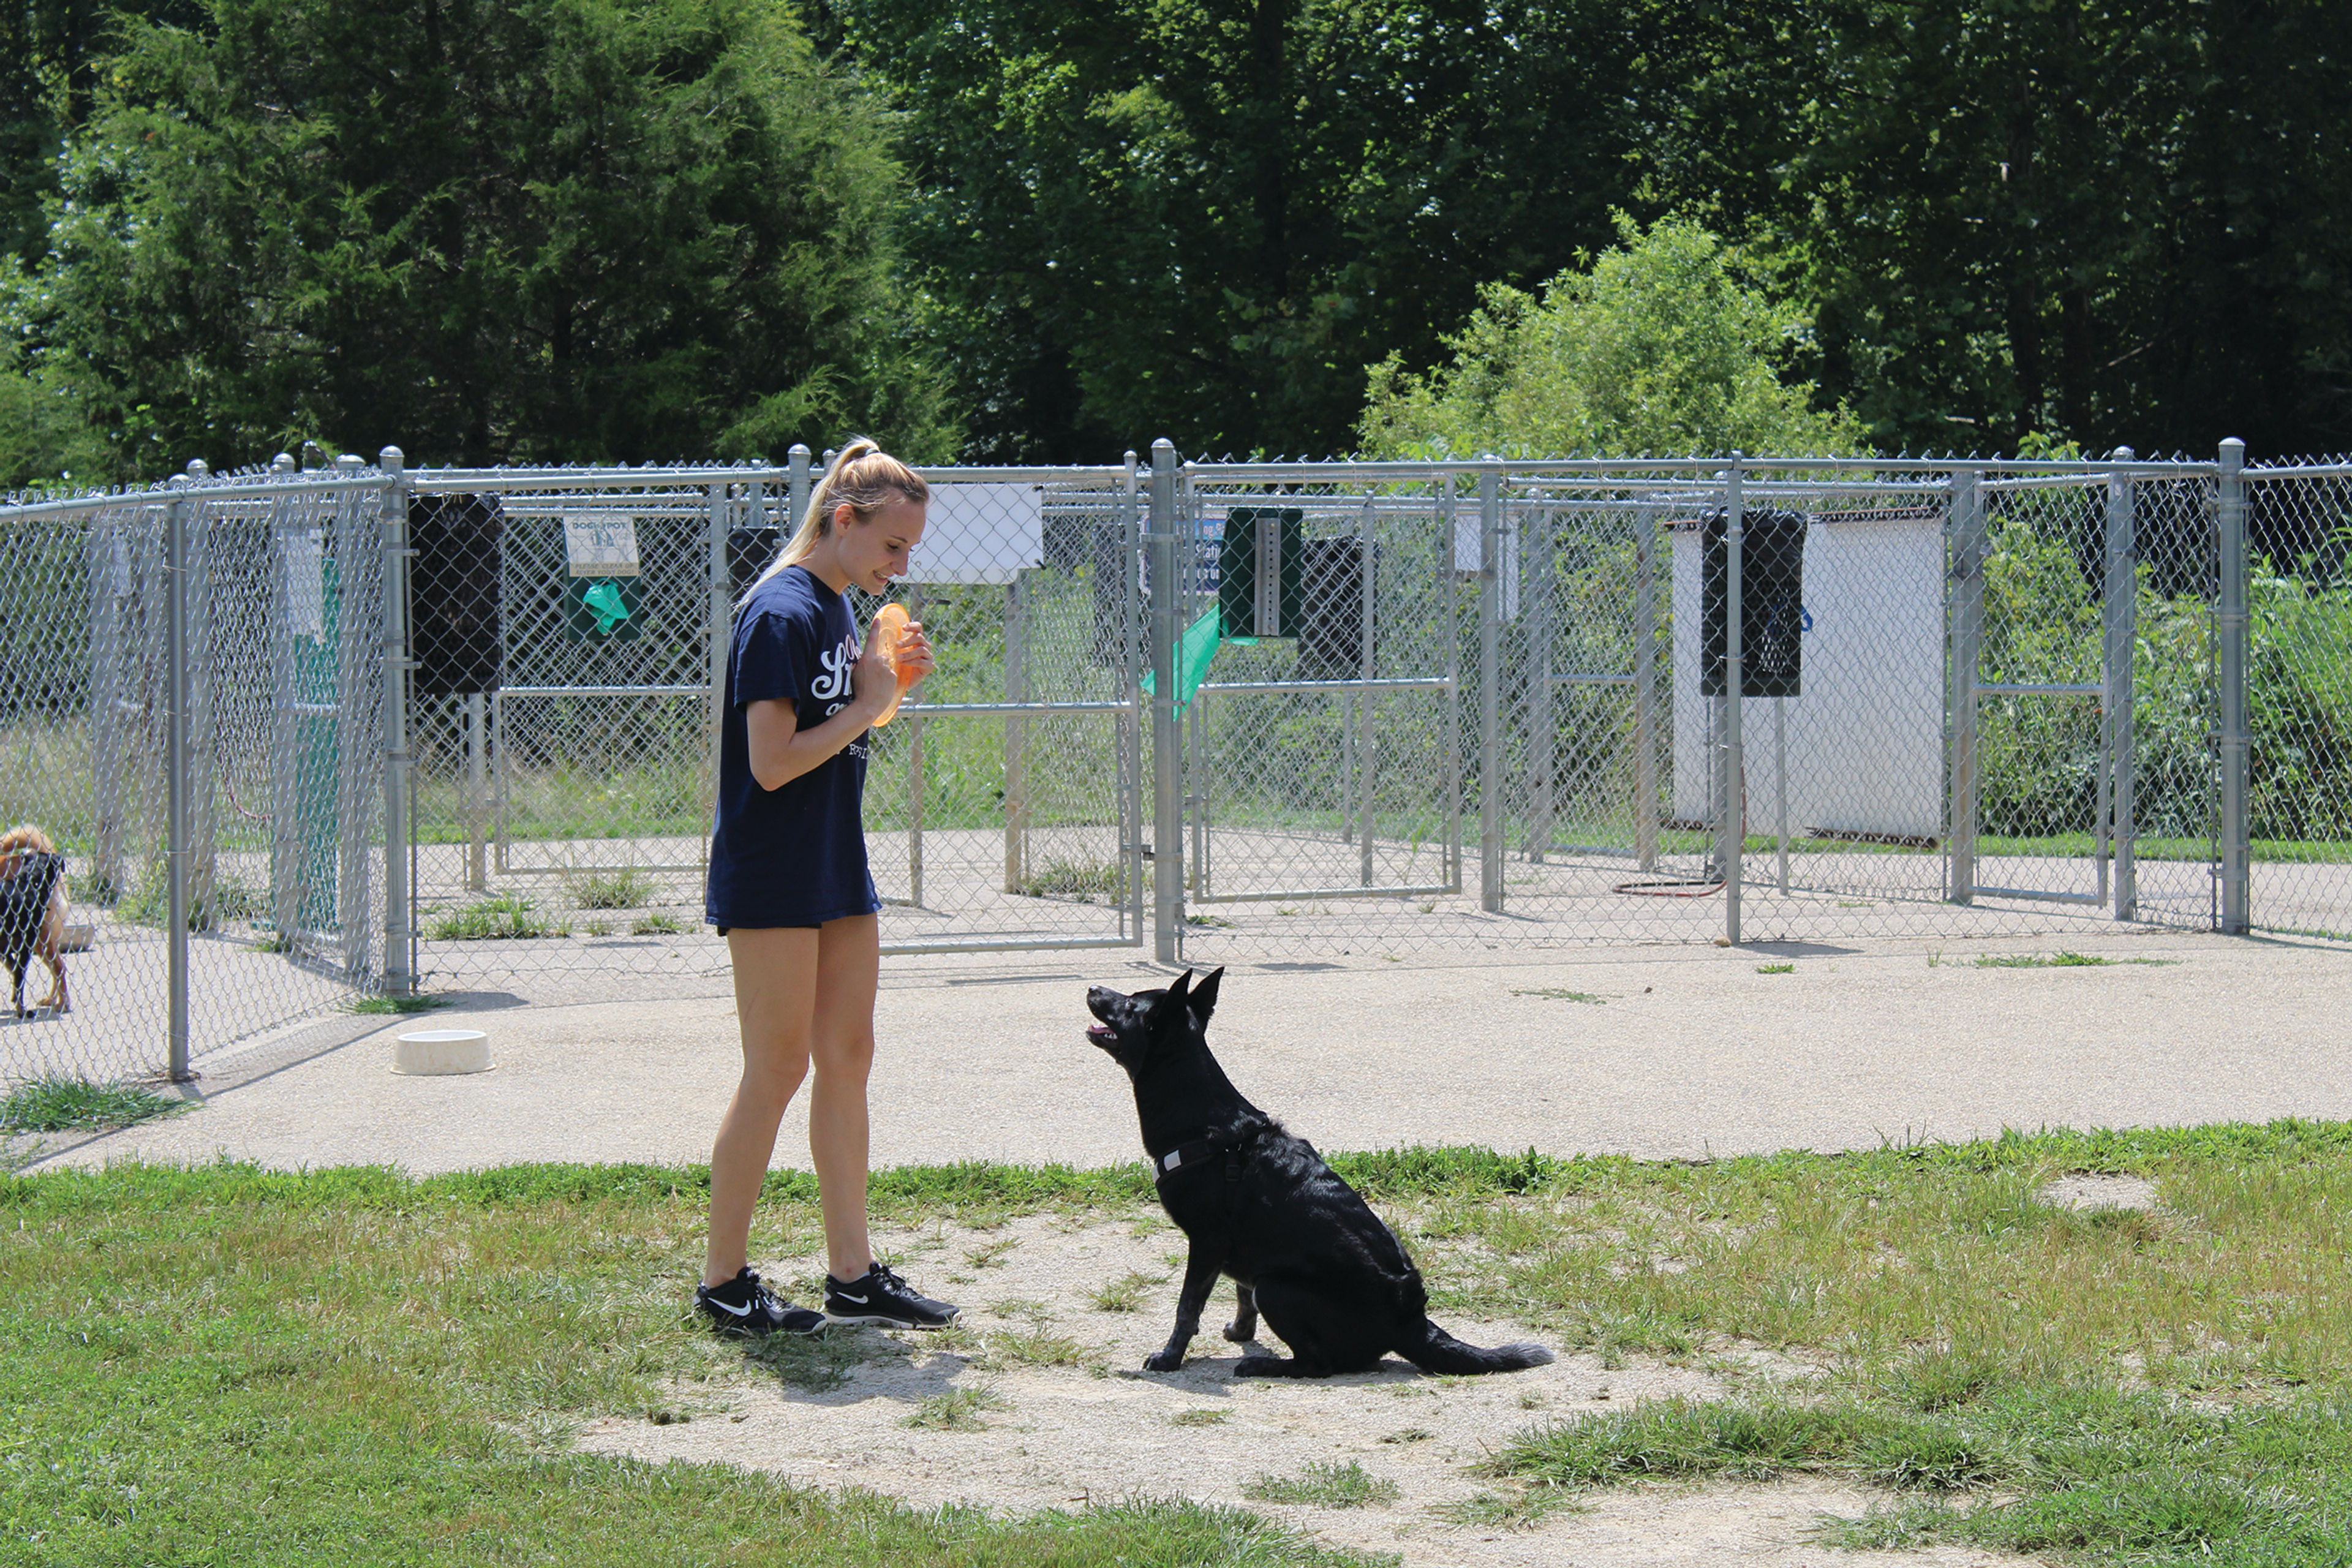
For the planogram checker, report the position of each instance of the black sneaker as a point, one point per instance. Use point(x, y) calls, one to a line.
point(744, 1306)
point(880, 1296)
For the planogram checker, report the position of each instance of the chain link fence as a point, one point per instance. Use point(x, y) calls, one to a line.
point(191, 720)
point(1224, 711)
point(2293, 768)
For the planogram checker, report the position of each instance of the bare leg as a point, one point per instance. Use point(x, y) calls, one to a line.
point(775, 993)
point(850, 964)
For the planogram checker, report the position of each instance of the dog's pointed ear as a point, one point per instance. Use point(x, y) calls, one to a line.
point(1174, 1001)
point(1205, 996)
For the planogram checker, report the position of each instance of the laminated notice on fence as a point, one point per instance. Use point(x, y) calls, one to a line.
point(1469, 550)
point(601, 545)
point(306, 582)
point(981, 533)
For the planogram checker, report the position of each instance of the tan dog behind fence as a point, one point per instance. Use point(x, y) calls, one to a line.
point(30, 932)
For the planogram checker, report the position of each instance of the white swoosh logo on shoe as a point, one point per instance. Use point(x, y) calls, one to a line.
point(739, 1312)
point(846, 1296)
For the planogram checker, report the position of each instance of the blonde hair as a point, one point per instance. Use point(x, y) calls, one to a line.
point(861, 475)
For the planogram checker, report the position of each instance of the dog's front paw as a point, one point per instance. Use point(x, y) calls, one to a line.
point(1164, 1361)
point(1240, 1334)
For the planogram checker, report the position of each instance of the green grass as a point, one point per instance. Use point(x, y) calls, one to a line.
point(510, 915)
point(2169, 1387)
point(227, 1366)
point(73, 1104)
point(1776, 969)
point(1125, 1294)
point(956, 1410)
point(397, 1005)
point(1078, 882)
point(1324, 1486)
point(627, 889)
point(656, 925)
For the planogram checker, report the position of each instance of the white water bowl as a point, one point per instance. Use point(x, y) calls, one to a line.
point(425, 1052)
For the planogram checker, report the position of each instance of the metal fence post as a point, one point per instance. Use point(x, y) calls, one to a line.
point(1446, 536)
point(1166, 732)
point(2121, 607)
point(1016, 782)
point(1130, 640)
point(175, 773)
point(202, 809)
point(717, 636)
point(2232, 628)
point(1645, 685)
point(399, 971)
point(796, 490)
point(1733, 830)
point(1966, 636)
point(1490, 689)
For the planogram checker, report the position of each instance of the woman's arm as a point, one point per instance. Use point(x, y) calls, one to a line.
point(780, 751)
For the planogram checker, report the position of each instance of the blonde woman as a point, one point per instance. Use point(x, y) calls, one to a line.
point(790, 892)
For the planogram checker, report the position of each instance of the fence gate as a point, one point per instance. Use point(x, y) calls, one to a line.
point(1320, 683)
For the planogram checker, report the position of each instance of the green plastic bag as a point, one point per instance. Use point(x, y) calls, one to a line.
point(1194, 652)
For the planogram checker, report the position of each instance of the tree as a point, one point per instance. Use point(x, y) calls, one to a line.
point(2112, 221)
point(559, 230)
point(1663, 345)
point(1202, 218)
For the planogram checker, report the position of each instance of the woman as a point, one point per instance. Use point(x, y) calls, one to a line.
point(790, 892)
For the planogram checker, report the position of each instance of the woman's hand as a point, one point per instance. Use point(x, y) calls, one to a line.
point(915, 653)
point(872, 681)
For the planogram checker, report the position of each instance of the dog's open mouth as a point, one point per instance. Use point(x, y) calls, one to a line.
point(1102, 1034)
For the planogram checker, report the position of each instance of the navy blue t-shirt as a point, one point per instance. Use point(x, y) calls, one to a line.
point(794, 856)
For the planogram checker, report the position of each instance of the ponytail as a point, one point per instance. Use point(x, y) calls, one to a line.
point(862, 475)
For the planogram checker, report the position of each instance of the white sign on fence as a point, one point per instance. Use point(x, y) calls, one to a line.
point(981, 533)
point(1865, 742)
point(601, 543)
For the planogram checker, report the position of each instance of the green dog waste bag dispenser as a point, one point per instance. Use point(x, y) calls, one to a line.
point(1259, 574)
point(601, 597)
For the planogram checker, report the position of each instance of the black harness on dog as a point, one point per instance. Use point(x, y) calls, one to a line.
point(1199, 1151)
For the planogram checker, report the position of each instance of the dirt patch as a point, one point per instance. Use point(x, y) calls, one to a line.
point(1037, 1400)
point(2087, 1191)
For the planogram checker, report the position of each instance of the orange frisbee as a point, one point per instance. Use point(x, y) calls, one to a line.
point(890, 624)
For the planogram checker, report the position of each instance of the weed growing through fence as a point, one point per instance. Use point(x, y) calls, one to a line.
point(656, 925)
point(1324, 1486)
point(509, 916)
point(627, 889)
point(1555, 993)
point(1215, 920)
point(227, 902)
point(1081, 882)
point(54, 1104)
point(2064, 961)
point(392, 1004)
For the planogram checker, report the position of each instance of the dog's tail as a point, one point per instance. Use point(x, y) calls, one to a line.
point(1438, 1350)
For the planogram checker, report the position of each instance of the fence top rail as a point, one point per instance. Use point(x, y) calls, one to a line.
point(515, 481)
point(2300, 471)
point(1636, 469)
point(205, 492)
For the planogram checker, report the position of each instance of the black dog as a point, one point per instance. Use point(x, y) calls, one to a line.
point(1261, 1206)
point(28, 926)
